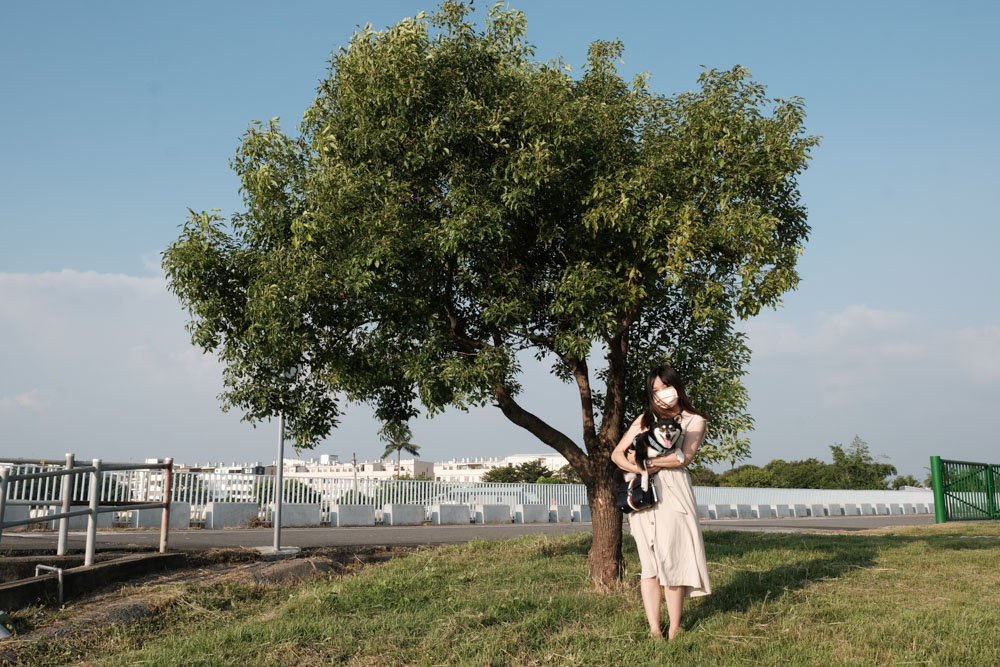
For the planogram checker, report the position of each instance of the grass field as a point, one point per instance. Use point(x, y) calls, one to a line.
point(924, 595)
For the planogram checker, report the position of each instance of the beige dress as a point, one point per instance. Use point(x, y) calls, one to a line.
point(668, 536)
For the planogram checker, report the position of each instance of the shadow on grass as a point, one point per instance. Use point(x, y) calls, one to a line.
point(745, 588)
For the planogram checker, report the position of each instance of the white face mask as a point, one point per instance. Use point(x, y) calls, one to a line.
point(666, 397)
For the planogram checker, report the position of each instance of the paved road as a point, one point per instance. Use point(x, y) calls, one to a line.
point(203, 540)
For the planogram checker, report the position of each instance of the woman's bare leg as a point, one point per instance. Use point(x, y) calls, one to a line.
point(675, 604)
point(651, 601)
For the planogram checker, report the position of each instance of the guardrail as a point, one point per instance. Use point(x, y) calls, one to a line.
point(965, 490)
point(36, 484)
point(124, 487)
point(199, 489)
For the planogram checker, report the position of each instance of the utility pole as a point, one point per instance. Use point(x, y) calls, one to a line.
point(279, 474)
point(354, 501)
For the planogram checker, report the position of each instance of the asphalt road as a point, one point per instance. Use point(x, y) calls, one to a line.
point(203, 540)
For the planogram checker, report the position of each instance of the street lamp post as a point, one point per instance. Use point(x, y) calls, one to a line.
point(279, 479)
point(276, 551)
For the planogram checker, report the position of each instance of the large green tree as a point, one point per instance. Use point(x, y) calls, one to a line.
point(451, 207)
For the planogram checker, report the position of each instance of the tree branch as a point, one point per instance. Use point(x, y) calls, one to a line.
point(582, 375)
point(612, 422)
point(537, 427)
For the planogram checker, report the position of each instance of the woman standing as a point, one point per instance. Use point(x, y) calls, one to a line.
point(668, 535)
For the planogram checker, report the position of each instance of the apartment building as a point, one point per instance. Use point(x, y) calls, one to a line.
point(329, 465)
point(472, 470)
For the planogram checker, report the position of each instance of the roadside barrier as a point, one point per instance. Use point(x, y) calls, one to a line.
point(218, 500)
point(31, 486)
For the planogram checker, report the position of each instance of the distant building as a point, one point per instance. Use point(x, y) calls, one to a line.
point(329, 465)
point(384, 469)
point(472, 470)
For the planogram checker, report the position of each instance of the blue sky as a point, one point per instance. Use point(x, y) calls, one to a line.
point(119, 115)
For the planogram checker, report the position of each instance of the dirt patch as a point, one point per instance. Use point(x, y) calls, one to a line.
point(144, 597)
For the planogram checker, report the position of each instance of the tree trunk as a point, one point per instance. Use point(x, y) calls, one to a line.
point(607, 565)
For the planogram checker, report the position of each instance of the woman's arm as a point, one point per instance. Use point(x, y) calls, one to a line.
point(618, 455)
point(692, 440)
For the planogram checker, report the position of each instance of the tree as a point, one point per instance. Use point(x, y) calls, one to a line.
point(552, 479)
point(904, 480)
point(569, 475)
point(529, 472)
point(747, 476)
point(397, 436)
point(504, 475)
point(810, 473)
point(855, 468)
point(703, 476)
point(452, 207)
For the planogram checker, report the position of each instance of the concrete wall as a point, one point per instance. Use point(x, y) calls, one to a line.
point(16, 513)
point(295, 515)
point(449, 514)
point(180, 517)
point(352, 515)
point(531, 514)
point(229, 515)
point(491, 513)
point(560, 514)
point(403, 515)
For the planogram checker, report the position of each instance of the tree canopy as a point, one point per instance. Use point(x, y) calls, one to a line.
point(451, 207)
point(853, 467)
point(528, 472)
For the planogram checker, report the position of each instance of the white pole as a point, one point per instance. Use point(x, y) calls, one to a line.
point(95, 492)
point(4, 474)
point(67, 496)
point(278, 482)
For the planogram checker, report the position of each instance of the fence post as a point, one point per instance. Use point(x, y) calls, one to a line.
point(168, 474)
point(990, 490)
point(67, 498)
point(95, 492)
point(4, 474)
point(940, 511)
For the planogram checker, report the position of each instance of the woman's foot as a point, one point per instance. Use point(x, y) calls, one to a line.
point(672, 632)
point(655, 634)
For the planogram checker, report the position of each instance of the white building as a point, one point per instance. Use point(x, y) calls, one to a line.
point(385, 469)
point(466, 470)
point(472, 470)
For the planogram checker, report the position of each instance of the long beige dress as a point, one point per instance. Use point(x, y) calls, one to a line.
point(668, 536)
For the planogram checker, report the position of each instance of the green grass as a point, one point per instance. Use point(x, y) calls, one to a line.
point(925, 595)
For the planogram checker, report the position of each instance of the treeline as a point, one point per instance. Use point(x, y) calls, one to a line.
point(532, 472)
point(853, 467)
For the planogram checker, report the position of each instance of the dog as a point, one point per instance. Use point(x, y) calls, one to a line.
point(665, 437)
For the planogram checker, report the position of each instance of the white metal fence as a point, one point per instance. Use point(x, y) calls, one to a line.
point(45, 492)
point(200, 488)
point(727, 495)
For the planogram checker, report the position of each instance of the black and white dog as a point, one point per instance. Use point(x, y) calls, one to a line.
point(665, 437)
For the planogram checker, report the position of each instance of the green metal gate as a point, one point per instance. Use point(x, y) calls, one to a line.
point(964, 491)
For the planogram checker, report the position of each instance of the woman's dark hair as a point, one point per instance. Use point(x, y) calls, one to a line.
point(670, 378)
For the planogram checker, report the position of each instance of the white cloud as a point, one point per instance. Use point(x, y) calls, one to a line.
point(909, 384)
point(30, 400)
point(112, 373)
point(151, 262)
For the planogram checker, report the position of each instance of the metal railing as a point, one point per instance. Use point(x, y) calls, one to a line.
point(199, 489)
point(30, 483)
point(964, 490)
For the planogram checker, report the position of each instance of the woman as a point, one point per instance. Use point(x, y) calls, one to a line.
point(668, 535)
